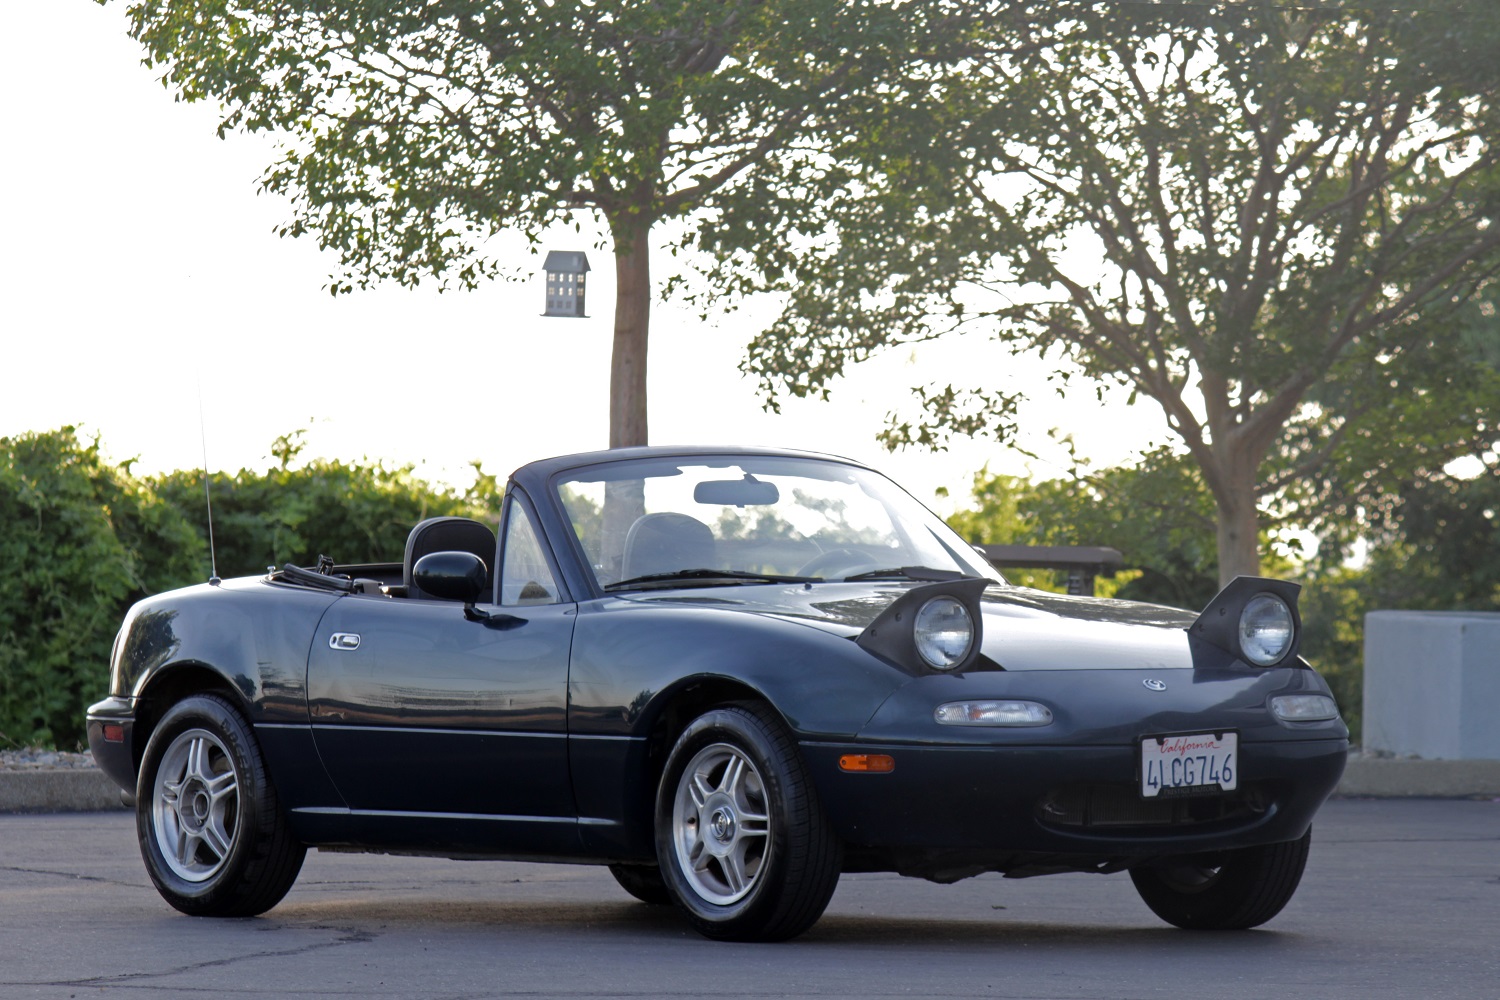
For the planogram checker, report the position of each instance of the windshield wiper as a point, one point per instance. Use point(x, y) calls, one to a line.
point(729, 576)
point(924, 573)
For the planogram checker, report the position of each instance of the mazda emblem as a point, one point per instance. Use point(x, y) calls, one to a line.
point(1152, 684)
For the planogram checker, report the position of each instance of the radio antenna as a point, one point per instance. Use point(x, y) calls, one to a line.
point(213, 561)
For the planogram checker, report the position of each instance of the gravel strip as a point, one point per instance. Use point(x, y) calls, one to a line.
point(38, 759)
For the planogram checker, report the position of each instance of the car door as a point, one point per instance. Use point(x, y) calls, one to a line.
point(439, 729)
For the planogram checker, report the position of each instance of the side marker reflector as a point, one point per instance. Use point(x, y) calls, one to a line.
point(872, 763)
point(114, 733)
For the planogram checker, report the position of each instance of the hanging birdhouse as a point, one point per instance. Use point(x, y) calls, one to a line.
point(565, 280)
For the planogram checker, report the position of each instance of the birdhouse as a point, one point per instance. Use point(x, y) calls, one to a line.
point(565, 273)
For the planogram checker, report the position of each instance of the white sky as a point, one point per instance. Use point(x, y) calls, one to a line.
point(138, 259)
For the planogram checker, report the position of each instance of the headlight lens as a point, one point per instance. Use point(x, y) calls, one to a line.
point(1265, 629)
point(993, 713)
point(943, 631)
point(1304, 708)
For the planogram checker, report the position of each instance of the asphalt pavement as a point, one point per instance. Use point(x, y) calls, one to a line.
point(1401, 899)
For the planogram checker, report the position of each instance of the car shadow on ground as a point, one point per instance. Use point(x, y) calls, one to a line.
point(638, 920)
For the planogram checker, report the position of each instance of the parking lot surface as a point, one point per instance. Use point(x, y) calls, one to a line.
point(1401, 899)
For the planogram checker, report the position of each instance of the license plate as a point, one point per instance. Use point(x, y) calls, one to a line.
point(1194, 761)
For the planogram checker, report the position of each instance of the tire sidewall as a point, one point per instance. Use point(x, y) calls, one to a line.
point(216, 716)
point(748, 734)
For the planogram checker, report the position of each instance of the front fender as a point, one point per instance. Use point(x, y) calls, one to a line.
point(251, 633)
point(626, 657)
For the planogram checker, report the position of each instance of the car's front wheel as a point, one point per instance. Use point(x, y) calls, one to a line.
point(743, 844)
point(211, 830)
point(1229, 891)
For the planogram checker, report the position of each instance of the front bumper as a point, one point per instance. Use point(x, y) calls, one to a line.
point(996, 804)
point(115, 757)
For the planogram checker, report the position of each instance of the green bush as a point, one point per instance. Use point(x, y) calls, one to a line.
point(354, 513)
point(80, 541)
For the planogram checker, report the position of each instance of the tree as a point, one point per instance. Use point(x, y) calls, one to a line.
point(1158, 514)
point(416, 129)
point(1442, 558)
point(1267, 221)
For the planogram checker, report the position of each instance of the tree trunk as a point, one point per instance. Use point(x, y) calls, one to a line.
point(627, 371)
point(1239, 519)
point(1239, 540)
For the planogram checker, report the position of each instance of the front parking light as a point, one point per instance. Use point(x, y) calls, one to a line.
point(993, 713)
point(1304, 708)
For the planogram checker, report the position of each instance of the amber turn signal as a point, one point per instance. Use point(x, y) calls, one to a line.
point(873, 763)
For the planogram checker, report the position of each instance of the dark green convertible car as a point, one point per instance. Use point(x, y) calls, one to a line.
point(730, 675)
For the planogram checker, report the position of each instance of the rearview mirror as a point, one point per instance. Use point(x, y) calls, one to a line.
point(747, 492)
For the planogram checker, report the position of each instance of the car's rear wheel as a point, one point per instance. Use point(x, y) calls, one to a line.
point(1229, 891)
point(742, 842)
point(644, 882)
point(211, 830)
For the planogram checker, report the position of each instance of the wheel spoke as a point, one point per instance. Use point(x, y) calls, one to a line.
point(754, 824)
point(733, 772)
point(222, 786)
point(197, 760)
point(734, 874)
point(187, 847)
point(699, 788)
point(216, 838)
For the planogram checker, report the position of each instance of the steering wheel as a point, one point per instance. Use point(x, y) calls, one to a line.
point(836, 562)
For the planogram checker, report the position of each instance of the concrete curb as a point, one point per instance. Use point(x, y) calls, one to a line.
point(88, 790)
point(1393, 778)
point(73, 790)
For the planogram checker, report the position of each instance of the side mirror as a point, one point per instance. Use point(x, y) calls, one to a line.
point(453, 576)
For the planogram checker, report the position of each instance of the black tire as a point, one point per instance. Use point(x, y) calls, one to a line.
point(742, 842)
point(211, 830)
point(1230, 891)
point(644, 882)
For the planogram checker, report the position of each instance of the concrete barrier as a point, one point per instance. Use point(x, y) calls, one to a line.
point(1432, 684)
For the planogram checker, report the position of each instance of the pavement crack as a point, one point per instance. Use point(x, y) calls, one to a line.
point(70, 876)
point(347, 936)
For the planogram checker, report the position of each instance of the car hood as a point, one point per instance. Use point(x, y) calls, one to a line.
point(1023, 629)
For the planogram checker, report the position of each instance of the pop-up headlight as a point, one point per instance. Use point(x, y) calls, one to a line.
point(936, 626)
point(944, 632)
point(1254, 620)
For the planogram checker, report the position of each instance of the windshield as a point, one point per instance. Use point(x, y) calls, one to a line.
point(662, 522)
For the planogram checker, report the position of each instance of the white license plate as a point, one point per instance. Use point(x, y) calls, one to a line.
point(1198, 760)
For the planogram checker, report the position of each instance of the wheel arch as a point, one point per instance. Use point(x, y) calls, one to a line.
point(663, 721)
point(171, 684)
